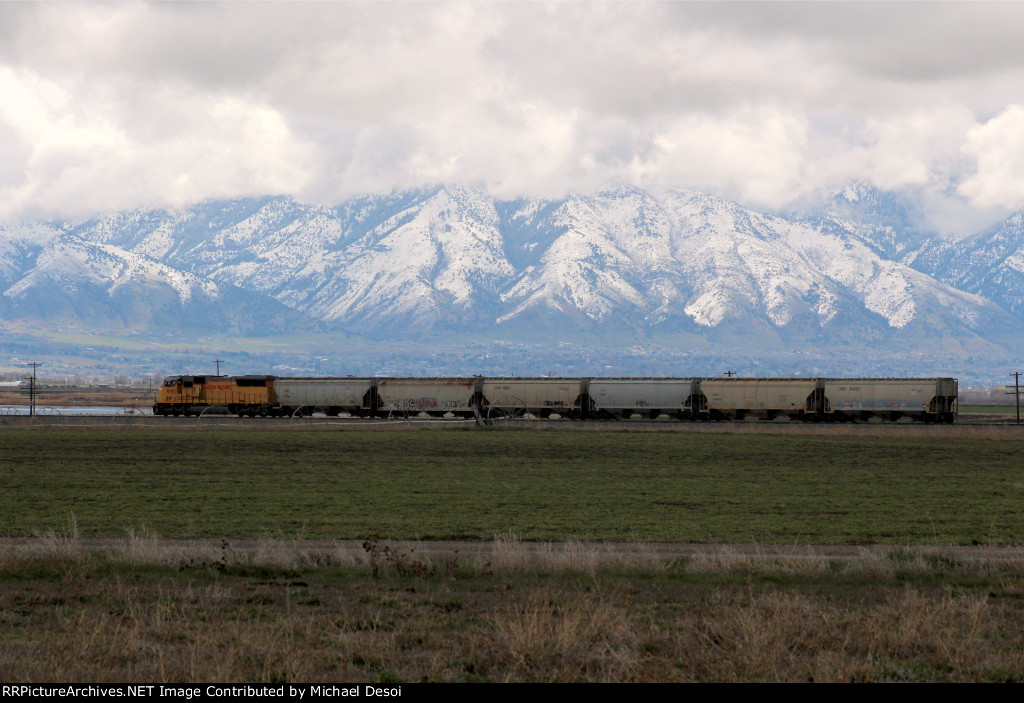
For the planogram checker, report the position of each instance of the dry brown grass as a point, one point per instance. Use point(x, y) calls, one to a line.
point(786, 636)
point(508, 555)
point(555, 636)
point(144, 609)
point(62, 398)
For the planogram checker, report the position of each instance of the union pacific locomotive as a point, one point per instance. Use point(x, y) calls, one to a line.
point(808, 399)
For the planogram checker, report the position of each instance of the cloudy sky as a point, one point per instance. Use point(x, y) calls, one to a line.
point(108, 106)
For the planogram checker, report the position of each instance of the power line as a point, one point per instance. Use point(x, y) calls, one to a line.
point(32, 388)
point(1016, 392)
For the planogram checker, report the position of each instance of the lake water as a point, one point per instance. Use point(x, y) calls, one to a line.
point(73, 410)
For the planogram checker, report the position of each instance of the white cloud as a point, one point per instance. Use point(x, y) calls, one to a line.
point(76, 157)
point(756, 155)
point(920, 148)
point(998, 148)
point(114, 105)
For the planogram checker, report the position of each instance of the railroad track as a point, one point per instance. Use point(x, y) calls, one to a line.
point(220, 420)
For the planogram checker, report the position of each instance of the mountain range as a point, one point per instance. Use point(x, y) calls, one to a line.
point(452, 262)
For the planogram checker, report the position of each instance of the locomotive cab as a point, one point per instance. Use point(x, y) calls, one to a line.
point(181, 395)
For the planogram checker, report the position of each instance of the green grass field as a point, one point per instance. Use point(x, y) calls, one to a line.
point(140, 609)
point(988, 410)
point(555, 484)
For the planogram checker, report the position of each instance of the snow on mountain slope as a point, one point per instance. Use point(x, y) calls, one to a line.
point(20, 243)
point(741, 265)
point(887, 223)
point(426, 261)
point(68, 279)
point(990, 264)
point(71, 264)
point(584, 270)
point(423, 266)
point(788, 269)
point(655, 258)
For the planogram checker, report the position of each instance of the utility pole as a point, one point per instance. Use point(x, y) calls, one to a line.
point(32, 388)
point(1016, 392)
point(730, 374)
point(218, 362)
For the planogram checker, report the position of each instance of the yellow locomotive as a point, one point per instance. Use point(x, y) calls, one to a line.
point(192, 395)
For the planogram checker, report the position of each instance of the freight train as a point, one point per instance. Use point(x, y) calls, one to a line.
point(491, 398)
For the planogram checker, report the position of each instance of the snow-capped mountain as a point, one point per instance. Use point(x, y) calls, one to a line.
point(691, 261)
point(990, 263)
point(56, 276)
point(885, 222)
point(453, 261)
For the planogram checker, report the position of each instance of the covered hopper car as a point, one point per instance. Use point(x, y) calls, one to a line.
point(808, 399)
